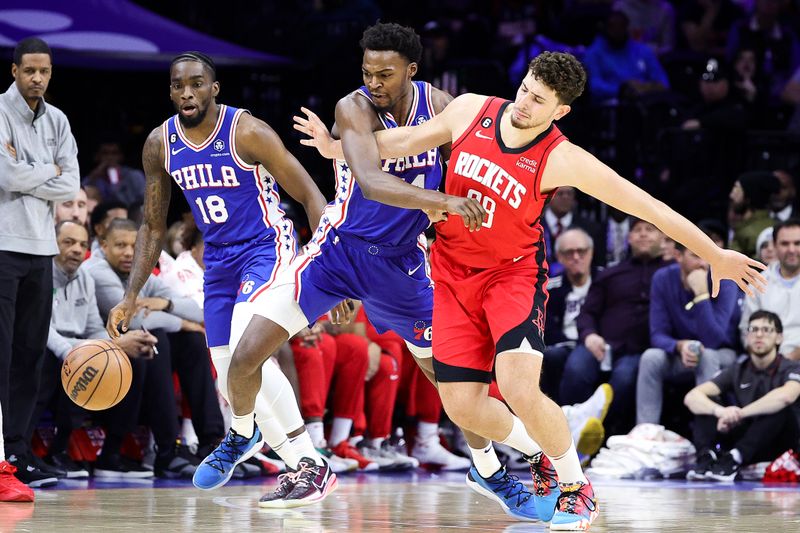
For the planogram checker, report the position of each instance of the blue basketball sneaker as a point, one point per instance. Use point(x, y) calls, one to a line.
point(217, 468)
point(505, 489)
point(576, 508)
point(545, 485)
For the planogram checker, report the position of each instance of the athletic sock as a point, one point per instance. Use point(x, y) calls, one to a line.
point(243, 425)
point(485, 460)
point(340, 430)
point(305, 448)
point(520, 440)
point(568, 467)
point(317, 433)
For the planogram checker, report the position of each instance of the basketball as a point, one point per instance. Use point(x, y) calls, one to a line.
point(96, 374)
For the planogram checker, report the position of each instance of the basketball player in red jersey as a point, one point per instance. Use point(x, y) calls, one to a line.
point(490, 284)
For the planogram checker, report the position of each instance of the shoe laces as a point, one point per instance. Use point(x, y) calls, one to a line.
point(574, 501)
point(286, 479)
point(305, 473)
point(511, 486)
point(544, 477)
point(228, 451)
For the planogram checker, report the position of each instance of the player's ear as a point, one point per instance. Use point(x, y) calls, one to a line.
point(412, 69)
point(215, 88)
point(14, 70)
point(561, 110)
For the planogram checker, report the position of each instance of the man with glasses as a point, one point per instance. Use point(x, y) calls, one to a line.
point(782, 296)
point(690, 333)
point(762, 421)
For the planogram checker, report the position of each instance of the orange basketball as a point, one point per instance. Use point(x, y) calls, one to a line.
point(96, 374)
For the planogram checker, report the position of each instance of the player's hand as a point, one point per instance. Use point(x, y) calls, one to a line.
point(596, 344)
point(730, 416)
point(119, 318)
point(319, 136)
point(343, 312)
point(435, 216)
point(468, 209)
point(728, 264)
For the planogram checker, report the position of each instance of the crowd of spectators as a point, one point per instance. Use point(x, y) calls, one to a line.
point(697, 100)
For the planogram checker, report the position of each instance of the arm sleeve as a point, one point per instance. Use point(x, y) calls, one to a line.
point(660, 323)
point(20, 176)
point(58, 344)
point(64, 187)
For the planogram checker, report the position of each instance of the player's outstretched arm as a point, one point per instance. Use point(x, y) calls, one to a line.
point(256, 142)
point(354, 122)
point(150, 237)
point(570, 165)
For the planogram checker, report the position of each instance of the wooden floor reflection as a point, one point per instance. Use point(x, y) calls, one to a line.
point(398, 503)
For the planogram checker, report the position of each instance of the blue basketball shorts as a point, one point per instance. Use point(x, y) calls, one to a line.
point(240, 272)
point(392, 283)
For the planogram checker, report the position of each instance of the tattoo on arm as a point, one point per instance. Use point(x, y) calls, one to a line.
point(156, 204)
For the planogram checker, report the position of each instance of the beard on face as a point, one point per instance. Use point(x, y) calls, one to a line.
point(191, 122)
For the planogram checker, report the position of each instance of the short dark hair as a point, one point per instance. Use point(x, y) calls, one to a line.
point(769, 316)
point(788, 223)
point(393, 37)
point(199, 57)
point(123, 224)
point(562, 72)
point(101, 210)
point(31, 45)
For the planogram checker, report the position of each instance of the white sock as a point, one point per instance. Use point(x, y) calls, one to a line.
point(376, 443)
point(568, 467)
point(305, 448)
point(275, 436)
point(427, 431)
point(243, 425)
point(485, 460)
point(285, 451)
point(737, 455)
point(317, 433)
point(340, 430)
point(520, 440)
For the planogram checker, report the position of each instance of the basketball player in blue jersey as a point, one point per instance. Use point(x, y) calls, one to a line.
point(367, 244)
point(228, 165)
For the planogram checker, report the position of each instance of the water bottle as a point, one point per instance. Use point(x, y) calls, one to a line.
point(605, 364)
point(696, 348)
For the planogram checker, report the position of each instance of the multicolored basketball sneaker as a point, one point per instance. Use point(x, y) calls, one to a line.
point(505, 489)
point(576, 508)
point(545, 485)
point(276, 498)
point(217, 468)
point(312, 483)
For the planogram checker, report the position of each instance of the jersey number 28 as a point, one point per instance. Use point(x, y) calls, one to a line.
point(213, 209)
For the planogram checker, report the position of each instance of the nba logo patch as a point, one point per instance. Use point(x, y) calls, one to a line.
point(219, 145)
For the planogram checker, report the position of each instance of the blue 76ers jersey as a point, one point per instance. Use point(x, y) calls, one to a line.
point(373, 221)
point(231, 201)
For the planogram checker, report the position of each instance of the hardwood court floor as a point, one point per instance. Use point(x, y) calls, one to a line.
point(407, 502)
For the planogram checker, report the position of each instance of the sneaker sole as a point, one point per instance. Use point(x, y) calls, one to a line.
point(474, 485)
point(609, 398)
point(113, 475)
point(256, 448)
point(331, 486)
point(580, 525)
point(591, 437)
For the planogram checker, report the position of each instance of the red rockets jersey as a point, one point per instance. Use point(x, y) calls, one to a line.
point(506, 182)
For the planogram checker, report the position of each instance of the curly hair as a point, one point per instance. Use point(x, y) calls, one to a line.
point(393, 37)
point(560, 71)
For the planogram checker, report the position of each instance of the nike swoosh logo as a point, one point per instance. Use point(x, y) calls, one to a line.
point(179, 150)
point(480, 135)
point(518, 258)
point(411, 272)
point(744, 385)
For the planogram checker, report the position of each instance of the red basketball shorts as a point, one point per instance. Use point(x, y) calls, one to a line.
point(479, 313)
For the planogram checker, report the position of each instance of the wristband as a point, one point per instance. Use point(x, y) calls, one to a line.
point(697, 300)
